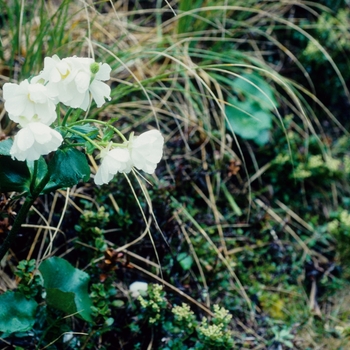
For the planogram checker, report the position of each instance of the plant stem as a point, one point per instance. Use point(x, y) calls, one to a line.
point(22, 214)
point(69, 112)
point(103, 123)
point(84, 137)
point(35, 172)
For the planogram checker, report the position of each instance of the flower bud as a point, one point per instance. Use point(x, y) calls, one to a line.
point(94, 67)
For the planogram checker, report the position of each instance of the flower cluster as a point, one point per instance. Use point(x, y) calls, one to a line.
point(32, 104)
point(73, 82)
point(154, 302)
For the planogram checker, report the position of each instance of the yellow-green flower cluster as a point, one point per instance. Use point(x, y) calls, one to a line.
point(281, 158)
point(343, 223)
point(101, 214)
point(182, 312)
point(315, 162)
point(332, 164)
point(155, 304)
point(222, 315)
point(216, 335)
point(301, 173)
point(184, 317)
point(213, 332)
point(333, 226)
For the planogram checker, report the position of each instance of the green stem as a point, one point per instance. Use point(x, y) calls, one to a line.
point(99, 145)
point(103, 123)
point(69, 112)
point(84, 137)
point(35, 172)
point(21, 216)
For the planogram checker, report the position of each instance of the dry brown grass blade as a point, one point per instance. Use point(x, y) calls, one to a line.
point(6, 282)
point(140, 258)
point(295, 216)
point(314, 307)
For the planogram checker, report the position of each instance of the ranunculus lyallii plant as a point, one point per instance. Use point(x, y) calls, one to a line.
point(36, 105)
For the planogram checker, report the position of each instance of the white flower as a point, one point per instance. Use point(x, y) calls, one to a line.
point(136, 288)
point(34, 140)
point(73, 341)
point(29, 102)
point(67, 337)
point(146, 150)
point(113, 161)
point(143, 152)
point(72, 79)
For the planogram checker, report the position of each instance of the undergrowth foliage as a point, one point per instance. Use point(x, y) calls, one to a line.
point(179, 178)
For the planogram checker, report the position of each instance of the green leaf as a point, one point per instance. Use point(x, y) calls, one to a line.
point(67, 168)
point(87, 130)
point(118, 303)
point(5, 147)
point(64, 301)
point(255, 89)
point(66, 287)
point(14, 175)
point(108, 134)
point(185, 260)
point(249, 121)
point(109, 321)
point(89, 147)
point(263, 137)
point(17, 314)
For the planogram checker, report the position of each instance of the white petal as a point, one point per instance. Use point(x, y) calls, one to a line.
point(85, 103)
point(102, 176)
point(114, 161)
point(82, 81)
point(104, 72)
point(25, 139)
point(37, 93)
point(15, 98)
point(99, 92)
point(147, 150)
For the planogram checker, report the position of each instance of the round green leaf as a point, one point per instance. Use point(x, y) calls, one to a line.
point(249, 121)
point(67, 167)
point(185, 260)
point(17, 314)
point(66, 287)
point(14, 175)
point(255, 89)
